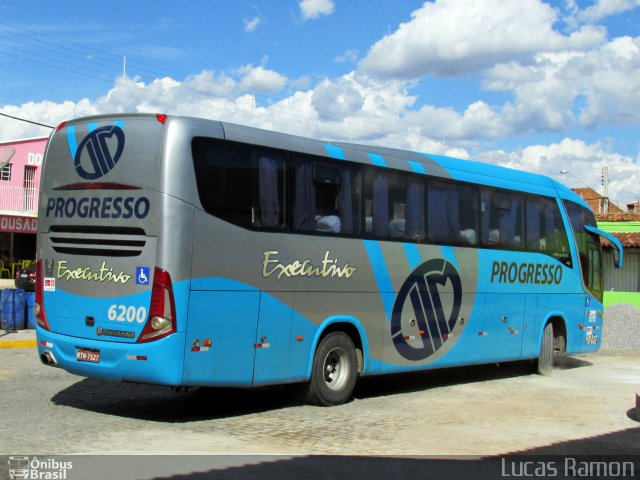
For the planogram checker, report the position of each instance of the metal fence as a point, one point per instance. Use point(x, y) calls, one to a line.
point(19, 199)
point(625, 279)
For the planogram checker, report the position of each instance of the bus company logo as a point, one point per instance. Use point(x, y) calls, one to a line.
point(420, 325)
point(103, 147)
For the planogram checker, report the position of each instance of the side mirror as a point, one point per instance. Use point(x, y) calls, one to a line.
point(618, 253)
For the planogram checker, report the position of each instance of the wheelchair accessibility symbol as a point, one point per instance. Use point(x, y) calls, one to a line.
point(143, 275)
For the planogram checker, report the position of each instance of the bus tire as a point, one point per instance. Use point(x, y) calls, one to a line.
point(333, 375)
point(544, 363)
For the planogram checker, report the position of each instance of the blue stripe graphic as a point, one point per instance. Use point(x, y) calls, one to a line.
point(335, 152)
point(380, 271)
point(449, 253)
point(377, 160)
point(413, 255)
point(417, 167)
point(71, 140)
point(91, 126)
point(119, 123)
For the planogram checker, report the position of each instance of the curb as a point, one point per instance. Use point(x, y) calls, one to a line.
point(18, 338)
point(18, 344)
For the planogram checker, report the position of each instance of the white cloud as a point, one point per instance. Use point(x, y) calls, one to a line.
point(314, 8)
point(553, 90)
point(562, 90)
point(451, 37)
point(260, 79)
point(45, 112)
point(334, 101)
point(350, 56)
point(582, 163)
point(605, 8)
point(251, 25)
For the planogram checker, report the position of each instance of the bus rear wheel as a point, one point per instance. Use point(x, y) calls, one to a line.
point(544, 363)
point(333, 375)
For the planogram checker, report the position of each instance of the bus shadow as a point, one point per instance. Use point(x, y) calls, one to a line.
point(162, 404)
point(415, 381)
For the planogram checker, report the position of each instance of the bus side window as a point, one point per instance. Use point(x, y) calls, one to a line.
point(326, 197)
point(240, 184)
point(415, 228)
point(394, 205)
point(377, 216)
point(269, 211)
point(224, 179)
point(545, 231)
point(452, 213)
point(502, 219)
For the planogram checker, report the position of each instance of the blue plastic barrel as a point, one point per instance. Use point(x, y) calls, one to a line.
point(30, 300)
point(12, 309)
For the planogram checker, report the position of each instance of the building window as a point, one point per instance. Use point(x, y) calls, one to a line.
point(5, 172)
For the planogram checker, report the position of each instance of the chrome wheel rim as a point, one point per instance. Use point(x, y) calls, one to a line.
point(336, 369)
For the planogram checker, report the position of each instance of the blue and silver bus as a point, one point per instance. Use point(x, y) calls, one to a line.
point(190, 252)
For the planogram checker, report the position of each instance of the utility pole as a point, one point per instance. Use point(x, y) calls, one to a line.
point(124, 67)
point(605, 186)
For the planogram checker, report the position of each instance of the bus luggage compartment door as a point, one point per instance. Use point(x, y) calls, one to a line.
point(504, 316)
point(221, 333)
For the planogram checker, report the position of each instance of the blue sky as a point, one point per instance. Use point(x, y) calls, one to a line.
point(545, 86)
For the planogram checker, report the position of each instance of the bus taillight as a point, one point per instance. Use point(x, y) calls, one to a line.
point(38, 307)
point(162, 311)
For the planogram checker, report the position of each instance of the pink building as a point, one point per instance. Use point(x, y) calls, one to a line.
point(20, 169)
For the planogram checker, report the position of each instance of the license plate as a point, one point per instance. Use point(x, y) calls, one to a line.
point(83, 355)
point(24, 275)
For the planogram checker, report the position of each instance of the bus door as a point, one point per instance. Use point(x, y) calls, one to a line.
point(591, 263)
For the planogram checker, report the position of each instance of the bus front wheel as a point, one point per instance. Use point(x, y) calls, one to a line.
point(333, 375)
point(545, 358)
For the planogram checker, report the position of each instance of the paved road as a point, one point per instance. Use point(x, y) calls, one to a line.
point(585, 407)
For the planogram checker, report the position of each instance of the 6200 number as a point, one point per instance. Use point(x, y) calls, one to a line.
point(122, 313)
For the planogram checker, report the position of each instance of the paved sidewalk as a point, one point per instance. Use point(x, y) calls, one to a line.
point(18, 338)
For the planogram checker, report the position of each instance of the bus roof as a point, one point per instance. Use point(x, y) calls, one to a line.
point(407, 160)
point(431, 164)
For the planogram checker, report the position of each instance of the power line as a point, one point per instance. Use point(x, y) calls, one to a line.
point(28, 121)
point(53, 52)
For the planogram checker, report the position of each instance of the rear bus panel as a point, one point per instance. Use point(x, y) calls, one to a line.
point(100, 241)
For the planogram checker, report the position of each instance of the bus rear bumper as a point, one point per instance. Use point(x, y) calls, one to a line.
point(159, 362)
